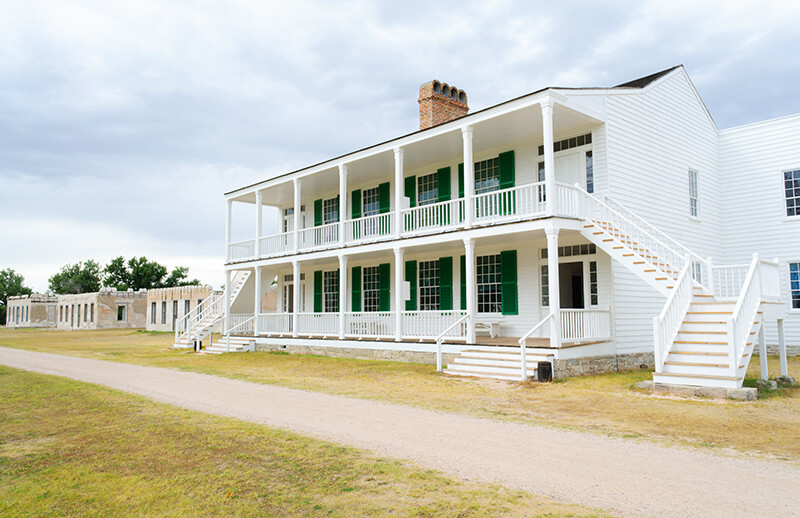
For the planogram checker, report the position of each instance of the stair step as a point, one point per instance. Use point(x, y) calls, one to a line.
point(699, 342)
point(504, 377)
point(699, 353)
point(702, 332)
point(695, 364)
point(706, 376)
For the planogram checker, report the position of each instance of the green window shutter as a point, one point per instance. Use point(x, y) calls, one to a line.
point(317, 213)
point(384, 284)
point(355, 204)
point(506, 166)
point(318, 291)
point(443, 179)
point(446, 283)
point(461, 180)
point(463, 265)
point(508, 280)
point(411, 189)
point(355, 297)
point(411, 277)
point(384, 197)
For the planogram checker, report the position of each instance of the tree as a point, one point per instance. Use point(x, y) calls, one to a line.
point(140, 273)
point(78, 278)
point(11, 285)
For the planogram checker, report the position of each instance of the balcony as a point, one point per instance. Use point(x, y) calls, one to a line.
point(520, 203)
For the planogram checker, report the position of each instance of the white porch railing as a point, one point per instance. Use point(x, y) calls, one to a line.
point(432, 217)
point(277, 244)
point(522, 201)
point(274, 323)
point(242, 324)
point(668, 322)
point(568, 200)
point(729, 280)
point(241, 250)
point(429, 324)
point(744, 314)
point(319, 237)
point(369, 228)
point(318, 324)
point(583, 325)
point(370, 324)
point(769, 274)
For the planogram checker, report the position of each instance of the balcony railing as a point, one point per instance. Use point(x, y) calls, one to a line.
point(277, 244)
point(323, 236)
point(524, 201)
point(370, 228)
point(434, 217)
point(241, 250)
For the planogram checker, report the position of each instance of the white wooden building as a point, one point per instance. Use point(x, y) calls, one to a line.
point(600, 227)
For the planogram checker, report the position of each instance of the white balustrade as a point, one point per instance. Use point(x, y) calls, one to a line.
point(432, 217)
point(430, 324)
point(241, 324)
point(669, 321)
point(744, 314)
point(277, 244)
point(522, 201)
point(241, 250)
point(369, 228)
point(580, 325)
point(770, 279)
point(370, 324)
point(567, 201)
point(323, 236)
point(318, 324)
point(274, 323)
point(729, 280)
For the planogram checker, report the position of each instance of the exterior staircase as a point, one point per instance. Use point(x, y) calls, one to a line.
point(206, 317)
point(497, 362)
point(237, 344)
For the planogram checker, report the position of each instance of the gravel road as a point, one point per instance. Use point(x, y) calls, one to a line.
point(625, 477)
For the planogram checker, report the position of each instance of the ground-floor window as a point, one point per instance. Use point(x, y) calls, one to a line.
point(794, 284)
point(429, 285)
point(60, 313)
point(85, 313)
point(330, 291)
point(593, 283)
point(152, 312)
point(163, 312)
point(187, 304)
point(372, 288)
point(91, 312)
point(490, 293)
point(122, 313)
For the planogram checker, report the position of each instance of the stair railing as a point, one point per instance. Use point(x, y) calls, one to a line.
point(195, 316)
point(524, 359)
point(246, 323)
point(744, 314)
point(440, 340)
point(668, 322)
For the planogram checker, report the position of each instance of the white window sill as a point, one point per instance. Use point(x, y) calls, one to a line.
point(695, 218)
point(787, 219)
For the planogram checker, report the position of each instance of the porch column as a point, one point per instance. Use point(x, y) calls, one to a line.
point(342, 294)
point(296, 298)
point(553, 285)
point(399, 300)
point(257, 244)
point(762, 353)
point(228, 231)
point(782, 349)
point(469, 176)
point(297, 220)
point(399, 185)
point(342, 202)
point(257, 300)
point(472, 294)
point(549, 159)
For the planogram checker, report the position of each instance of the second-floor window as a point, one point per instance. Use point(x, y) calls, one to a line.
point(428, 189)
point(791, 185)
point(330, 211)
point(487, 175)
point(371, 202)
point(694, 209)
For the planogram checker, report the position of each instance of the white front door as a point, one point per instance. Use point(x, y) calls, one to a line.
point(569, 170)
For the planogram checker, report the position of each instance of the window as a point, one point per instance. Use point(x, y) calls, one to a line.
point(122, 313)
point(199, 306)
point(60, 313)
point(794, 284)
point(693, 204)
point(569, 143)
point(593, 283)
point(187, 306)
point(429, 285)
point(371, 288)
point(174, 311)
point(163, 312)
point(91, 312)
point(791, 185)
point(79, 315)
point(428, 189)
point(545, 283)
point(371, 202)
point(152, 312)
point(330, 211)
point(569, 251)
point(487, 175)
point(85, 312)
point(489, 286)
point(589, 172)
point(330, 291)
point(26, 313)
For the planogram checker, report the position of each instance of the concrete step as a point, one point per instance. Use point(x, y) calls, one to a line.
point(506, 363)
point(504, 377)
point(697, 380)
point(509, 356)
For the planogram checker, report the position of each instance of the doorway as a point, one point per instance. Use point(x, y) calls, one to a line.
point(570, 279)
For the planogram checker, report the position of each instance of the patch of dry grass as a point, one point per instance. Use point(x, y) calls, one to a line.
point(605, 404)
point(74, 449)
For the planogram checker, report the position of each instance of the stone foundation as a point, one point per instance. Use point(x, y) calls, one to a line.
point(360, 354)
point(742, 394)
point(592, 365)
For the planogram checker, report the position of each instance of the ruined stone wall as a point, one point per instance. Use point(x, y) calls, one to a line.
point(34, 310)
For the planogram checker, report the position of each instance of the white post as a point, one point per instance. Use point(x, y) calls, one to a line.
point(782, 349)
point(342, 294)
point(257, 301)
point(228, 231)
point(399, 186)
point(342, 204)
point(762, 352)
point(710, 281)
point(296, 301)
point(399, 301)
point(472, 298)
point(297, 205)
point(227, 296)
point(257, 245)
point(469, 176)
point(549, 159)
point(553, 285)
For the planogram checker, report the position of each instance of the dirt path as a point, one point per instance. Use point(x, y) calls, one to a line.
point(626, 477)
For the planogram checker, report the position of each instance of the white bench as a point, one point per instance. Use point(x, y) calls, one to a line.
point(493, 327)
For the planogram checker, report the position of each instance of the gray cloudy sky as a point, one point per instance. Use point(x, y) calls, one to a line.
point(122, 123)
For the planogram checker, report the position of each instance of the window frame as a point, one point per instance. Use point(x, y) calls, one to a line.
point(491, 166)
point(370, 198)
point(428, 180)
point(153, 313)
point(330, 279)
point(428, 293)
point(370, 289)
point(331, 208)
point(122, 312)
point(789, 265)
point(694, 193)
point(497, 285)
point(163, 312)
point(795, 197)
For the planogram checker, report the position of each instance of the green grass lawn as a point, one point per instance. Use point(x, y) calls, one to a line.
point(75, 449)
point(605, 404)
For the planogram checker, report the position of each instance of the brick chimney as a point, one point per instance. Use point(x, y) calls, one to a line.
point(440, 103)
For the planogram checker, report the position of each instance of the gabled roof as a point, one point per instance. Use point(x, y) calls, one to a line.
point(646, 80)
